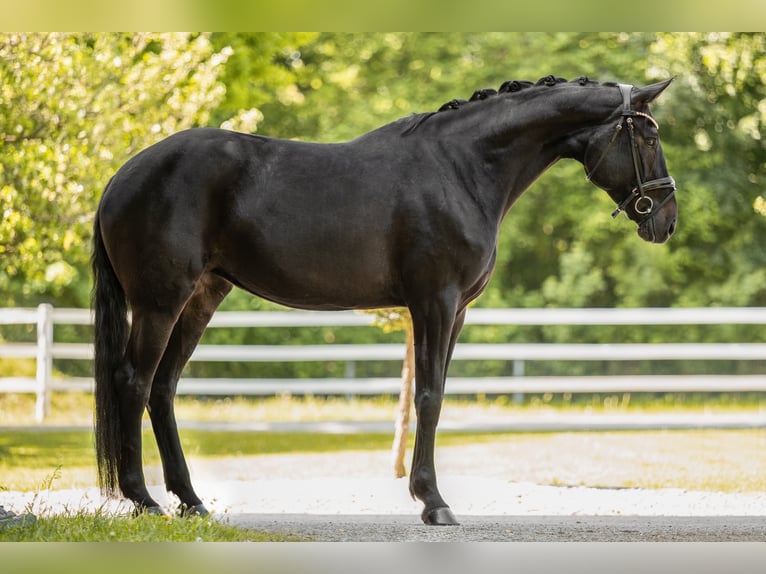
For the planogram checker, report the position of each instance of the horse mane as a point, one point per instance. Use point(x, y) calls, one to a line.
point(509, 86)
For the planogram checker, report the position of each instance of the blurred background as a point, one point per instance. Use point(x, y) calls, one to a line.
point(74, 107)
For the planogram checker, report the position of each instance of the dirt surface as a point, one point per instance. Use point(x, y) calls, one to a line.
point(351, 496)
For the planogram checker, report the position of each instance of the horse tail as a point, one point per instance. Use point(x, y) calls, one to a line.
point(110, 338)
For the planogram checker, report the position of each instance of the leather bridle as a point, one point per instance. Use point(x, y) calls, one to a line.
point(644, 205)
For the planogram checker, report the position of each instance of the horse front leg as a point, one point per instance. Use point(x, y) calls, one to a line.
point(434, 326)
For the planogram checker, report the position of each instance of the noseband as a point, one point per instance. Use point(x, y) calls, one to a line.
point(644, 205)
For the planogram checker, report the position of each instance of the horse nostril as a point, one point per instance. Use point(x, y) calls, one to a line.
point(672, 228)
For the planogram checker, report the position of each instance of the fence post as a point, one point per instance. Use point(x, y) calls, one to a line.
point(350, 373)
point(518, 371)
point(44, 360)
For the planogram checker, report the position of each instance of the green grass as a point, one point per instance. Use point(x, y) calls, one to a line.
point(28, 457)
point(77, 408)
point(46, 450)
point(82, 527)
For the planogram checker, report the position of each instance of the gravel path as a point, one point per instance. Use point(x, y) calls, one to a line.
point(398, 528)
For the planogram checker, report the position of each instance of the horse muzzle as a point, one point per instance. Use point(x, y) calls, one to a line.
point(657, 219)
point(654, 232)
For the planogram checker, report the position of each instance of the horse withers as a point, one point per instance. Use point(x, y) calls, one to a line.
point(405, 215)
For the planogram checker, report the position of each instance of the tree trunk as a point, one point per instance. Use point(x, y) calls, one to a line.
point(405, 405)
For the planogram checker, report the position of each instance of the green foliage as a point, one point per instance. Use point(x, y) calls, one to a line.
point(73, 107)
point(391, 320)
point(580, 280)
point(261, 76)
point(715, 114)
point(336, 86)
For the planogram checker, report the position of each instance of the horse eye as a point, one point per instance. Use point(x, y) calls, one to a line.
point(651, 142)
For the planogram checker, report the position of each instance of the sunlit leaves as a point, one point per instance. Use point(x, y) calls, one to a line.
point(73, 107)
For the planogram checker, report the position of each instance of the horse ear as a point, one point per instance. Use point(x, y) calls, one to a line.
point(649, 93)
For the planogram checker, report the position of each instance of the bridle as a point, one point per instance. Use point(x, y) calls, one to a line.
point(644, 205)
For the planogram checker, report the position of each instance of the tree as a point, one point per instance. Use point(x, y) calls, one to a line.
point(73, 107)
point(716, 115)
point(260, 76)
point(336, 86)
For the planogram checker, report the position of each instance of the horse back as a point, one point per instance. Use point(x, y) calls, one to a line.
point(304, 224)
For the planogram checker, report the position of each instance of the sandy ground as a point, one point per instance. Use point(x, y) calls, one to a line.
point(352, 496)
point(476, 480)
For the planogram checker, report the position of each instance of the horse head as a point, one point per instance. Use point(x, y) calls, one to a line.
point(623, 156)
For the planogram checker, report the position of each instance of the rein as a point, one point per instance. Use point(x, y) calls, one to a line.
point(644, 205)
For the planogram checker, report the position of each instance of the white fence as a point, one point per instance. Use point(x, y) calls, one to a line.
point(46, 349)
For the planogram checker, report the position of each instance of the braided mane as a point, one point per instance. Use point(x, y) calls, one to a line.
point(508, 86)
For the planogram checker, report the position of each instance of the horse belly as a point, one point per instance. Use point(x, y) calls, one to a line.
point(311, 267)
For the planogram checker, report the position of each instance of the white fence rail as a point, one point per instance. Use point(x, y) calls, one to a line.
point(45, 350)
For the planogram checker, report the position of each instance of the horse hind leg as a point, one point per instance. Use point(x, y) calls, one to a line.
point(149, 335)
point(199, 309)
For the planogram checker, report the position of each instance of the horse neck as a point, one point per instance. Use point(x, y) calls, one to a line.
point(515, 140)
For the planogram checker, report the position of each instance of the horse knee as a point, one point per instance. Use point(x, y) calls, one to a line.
point(133, 391)
point(124, 375)
point(428, 406)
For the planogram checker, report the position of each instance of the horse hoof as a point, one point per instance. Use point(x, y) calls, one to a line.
point(196, 510)
point(439, 516)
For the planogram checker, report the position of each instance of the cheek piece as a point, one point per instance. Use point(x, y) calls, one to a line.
point(644, 205)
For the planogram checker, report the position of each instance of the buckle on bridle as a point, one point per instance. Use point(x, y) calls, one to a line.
point(648, 209)
point(637, 194)
point(624, 205)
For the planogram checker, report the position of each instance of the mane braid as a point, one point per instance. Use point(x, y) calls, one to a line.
point(509, 86)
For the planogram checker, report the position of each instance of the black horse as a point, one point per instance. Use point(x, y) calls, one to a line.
point(405, 215)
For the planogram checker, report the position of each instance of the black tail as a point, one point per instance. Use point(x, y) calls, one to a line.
point(110, 337)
